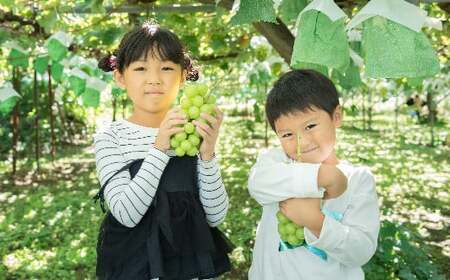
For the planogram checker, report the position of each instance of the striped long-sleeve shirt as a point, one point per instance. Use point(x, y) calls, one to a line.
point(128, 199)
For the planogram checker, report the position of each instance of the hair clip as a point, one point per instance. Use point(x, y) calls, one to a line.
point(113, 61)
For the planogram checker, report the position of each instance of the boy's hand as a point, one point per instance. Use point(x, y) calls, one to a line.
point(333, 180)
point(210, 132)
point(168, 127)
point(304, 212)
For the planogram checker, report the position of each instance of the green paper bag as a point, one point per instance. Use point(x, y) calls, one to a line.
point(289, 9)
point(304, 65)
point(57, 45)
point(254, 10)
point(8, 105)
point(321, 41)
point(18, 58)
point(91, 98)
point(350, 78)
point(57, 71)
point(391, 50)
point(56, 50)
point(8, 98)
point(77, 81)
point(77, 84)
point(41, 64)
point(415, 82)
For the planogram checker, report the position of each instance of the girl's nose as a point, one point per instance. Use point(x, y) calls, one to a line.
point(153, 78)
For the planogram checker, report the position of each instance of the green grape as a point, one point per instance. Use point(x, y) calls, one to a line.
point(284, 236)
point(194, 112)
point(211, 99)
point(191, 91)
point(197, 101)
point(179, 152)
point(189, 128)
point(300, 233)
point(174, 143)
point(202, 89)
point(292, 239)
point(186, 145)
point(207, 108)
point(194, 139)
point(192, 151)
point(282, 218)
point(192, 103)
point(185, 103)
point(180, 136)
point(290, 228)
point(281, 229)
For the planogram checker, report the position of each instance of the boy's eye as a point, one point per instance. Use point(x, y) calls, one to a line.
point(167, 68)
point(139, 69)
point(286, 135)
point(310, 126)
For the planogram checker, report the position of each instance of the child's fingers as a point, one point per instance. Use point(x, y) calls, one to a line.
point(219, 114)
point(202, 132)
point(175, 115)
point(213, 121)
point(204, 127)
point(175, 130)
point(174, 122)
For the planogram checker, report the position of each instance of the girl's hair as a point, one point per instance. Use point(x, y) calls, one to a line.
point(149, 37)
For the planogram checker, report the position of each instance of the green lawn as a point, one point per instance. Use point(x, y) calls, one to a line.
point(48, 225)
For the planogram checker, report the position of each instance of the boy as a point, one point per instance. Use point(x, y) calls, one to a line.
point(303, 110)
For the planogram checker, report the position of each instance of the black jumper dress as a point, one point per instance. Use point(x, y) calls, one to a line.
point(173, 239)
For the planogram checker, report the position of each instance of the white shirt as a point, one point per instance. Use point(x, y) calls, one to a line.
point(128, 199)
point(349, 244)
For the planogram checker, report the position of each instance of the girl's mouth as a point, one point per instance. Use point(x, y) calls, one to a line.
point(154, 92)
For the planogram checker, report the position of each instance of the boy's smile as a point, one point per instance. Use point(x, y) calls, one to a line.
point(311, 133)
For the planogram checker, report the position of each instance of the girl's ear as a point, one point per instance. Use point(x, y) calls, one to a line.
point(337, 116)
point(119, 78)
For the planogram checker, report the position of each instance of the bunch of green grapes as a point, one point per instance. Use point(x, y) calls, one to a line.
point(195, 100)
point(289, 231)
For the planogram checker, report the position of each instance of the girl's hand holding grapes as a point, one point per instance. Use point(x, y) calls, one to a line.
point(170, 125)
point(209, 130)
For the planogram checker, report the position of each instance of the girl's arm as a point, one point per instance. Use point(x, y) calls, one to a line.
point(353, 241)
point(128, 200)
point(213, 195)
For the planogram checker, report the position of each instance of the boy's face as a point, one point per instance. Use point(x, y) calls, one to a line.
point(316, 131)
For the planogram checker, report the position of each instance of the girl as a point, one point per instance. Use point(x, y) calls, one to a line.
point(163, 209)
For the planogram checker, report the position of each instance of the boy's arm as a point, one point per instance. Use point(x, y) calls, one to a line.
point(353, 241)
point(272, 179)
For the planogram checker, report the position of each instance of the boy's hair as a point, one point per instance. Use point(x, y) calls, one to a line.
point(299, 91)
point(148, 37)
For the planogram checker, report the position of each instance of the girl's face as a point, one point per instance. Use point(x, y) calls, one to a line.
point(151, 84)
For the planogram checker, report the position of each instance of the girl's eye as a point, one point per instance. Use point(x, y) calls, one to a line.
point(167, 68)
point(286, 135)
point(139, 69)
point(308, 127)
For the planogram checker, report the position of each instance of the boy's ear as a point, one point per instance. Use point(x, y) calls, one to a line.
point(337, 116)
point(119, 78)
